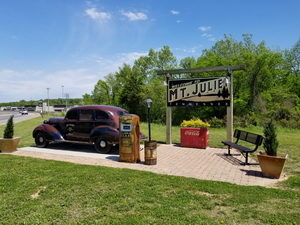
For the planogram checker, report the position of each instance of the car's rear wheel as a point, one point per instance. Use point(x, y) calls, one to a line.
point(41, 140)
point(102, 145)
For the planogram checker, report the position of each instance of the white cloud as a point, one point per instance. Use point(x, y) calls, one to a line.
point(130, 57)
point(135, 16)
point(204, 28)
point(189, 50)
point(96, 15)
point(174, 12)
point(16, 85)
point(31, 85)
point(111, 65)
point(206, 35)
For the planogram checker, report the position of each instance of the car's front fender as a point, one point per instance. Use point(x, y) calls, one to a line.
point(49, 131)
point(109, 133)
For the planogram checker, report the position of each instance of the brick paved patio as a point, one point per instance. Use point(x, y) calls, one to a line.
point(206, 164)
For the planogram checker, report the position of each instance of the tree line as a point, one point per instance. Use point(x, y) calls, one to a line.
point(53, 101)
point(268, 88)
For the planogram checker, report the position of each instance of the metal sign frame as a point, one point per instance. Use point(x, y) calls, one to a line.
point(168, 74)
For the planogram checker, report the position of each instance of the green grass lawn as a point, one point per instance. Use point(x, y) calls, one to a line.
point(35, 191)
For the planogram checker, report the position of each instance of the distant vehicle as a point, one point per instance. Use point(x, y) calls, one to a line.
point(24, 112)
point(97, 124)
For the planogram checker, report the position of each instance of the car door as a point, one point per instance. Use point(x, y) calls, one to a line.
point(70, 123)
point(85, 124)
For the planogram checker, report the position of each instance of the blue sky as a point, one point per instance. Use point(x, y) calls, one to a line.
point(74, 43)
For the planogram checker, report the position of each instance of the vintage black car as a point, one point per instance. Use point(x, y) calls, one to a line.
point(97, 124)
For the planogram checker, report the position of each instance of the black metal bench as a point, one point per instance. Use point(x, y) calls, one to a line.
point(252, 138)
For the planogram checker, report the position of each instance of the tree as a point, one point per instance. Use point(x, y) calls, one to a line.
point(292, 58)
point(101, 93)
point(292, 68)
point(156, 60)
point(87, 99)
point(262, 66)
point(132, 90)
point(9, 129)
point(270, 142)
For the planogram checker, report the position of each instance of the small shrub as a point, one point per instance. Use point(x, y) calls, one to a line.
point(217, 123)
point(196, 123)
point(244, 121)
point(270, 142)
point(283, 114)
point(9, 129)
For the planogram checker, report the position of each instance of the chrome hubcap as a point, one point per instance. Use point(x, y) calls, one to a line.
point(102, 144)
point(41, 139)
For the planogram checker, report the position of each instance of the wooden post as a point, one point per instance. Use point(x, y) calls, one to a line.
point(168, 117)
point(229, 124)
point(169, 126)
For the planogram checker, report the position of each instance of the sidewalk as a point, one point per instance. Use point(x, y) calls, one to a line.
point(205, 164)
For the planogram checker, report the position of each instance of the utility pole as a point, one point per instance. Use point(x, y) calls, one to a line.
point(48, 97)
point(62, 93)
point(67, 96)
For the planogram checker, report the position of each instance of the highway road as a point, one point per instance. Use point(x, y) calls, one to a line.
point(4, 116)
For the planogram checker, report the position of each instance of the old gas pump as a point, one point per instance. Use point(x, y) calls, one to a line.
point(129, 144)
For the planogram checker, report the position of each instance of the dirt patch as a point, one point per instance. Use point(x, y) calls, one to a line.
point(37, 194)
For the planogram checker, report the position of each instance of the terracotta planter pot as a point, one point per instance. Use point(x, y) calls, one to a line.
point(194, 137)
point(9, 144)
point(271, 166)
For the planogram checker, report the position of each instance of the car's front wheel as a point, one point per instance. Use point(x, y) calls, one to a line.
point(41, 140)
point(102, 145)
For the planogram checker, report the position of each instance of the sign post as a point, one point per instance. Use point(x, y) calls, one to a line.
point(229, 123)
point(168, 117)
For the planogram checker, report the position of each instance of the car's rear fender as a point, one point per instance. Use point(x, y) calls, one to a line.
point(109, 133)
point(51, 133)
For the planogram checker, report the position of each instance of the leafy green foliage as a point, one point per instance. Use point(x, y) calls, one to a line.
point(269, 87)
point(270, 141)
point(131, 85)
point(9, 129)
point(101, 93)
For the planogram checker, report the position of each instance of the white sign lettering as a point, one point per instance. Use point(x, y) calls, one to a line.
point(199, 90)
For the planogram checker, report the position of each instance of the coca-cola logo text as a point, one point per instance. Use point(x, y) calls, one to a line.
point(192, 133)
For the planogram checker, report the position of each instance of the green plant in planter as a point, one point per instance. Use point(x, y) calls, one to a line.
point(9, 129)
point(270, 142)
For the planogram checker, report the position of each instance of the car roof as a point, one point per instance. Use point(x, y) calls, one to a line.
point(100, 107)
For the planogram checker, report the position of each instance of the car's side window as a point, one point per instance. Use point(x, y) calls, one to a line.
point(101, 115)
point(86, 115)
point(72, 115)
